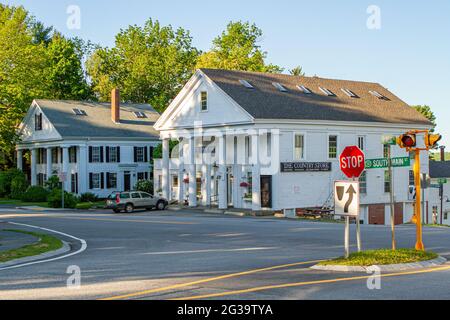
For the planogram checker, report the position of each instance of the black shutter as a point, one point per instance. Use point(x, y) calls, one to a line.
point(107, 154)
point(35, 121)
point(146, 154)
point(101, 154)
point(135, 154)
point(75, 157)
point(90, 154)
point(118, 154)
point(146, 175)
point(90, 180)
point(102, 179)
point(76, 182)
point(45, 156)
point(108, 185)
point(61, 154)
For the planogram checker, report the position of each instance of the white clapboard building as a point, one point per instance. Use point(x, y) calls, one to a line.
point(99, 147)
point(265, 141)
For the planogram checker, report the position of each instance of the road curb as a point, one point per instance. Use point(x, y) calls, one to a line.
point(388, 267)
point(65, 248)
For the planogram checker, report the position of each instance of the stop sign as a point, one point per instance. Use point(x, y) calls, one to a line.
point(352, 161)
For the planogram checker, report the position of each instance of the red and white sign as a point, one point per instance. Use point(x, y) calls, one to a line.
point(352, 162)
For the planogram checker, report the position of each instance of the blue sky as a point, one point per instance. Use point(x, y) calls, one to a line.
point(409, 54)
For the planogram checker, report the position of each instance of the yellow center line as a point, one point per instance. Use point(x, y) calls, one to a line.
point(298, 284)
point(124, 220)
point(226, 276)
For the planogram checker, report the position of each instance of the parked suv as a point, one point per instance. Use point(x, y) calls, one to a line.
point(128, 201)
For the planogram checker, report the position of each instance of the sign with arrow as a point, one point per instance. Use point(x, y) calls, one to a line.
point(346, 198)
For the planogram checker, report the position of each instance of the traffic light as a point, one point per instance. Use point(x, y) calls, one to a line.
point(407, 140)
point(431, 140)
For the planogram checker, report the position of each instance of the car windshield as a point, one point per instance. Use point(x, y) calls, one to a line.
point(112, 195)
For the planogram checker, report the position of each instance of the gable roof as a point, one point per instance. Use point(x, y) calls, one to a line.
point(265, 101)
point(440, 169)
point(98, 123)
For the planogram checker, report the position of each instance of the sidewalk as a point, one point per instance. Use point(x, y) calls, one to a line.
point(14, 240)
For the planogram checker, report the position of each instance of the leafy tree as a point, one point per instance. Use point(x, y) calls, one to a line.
point(237, 49)
point(157, 152)
point(144, 186)
point(428, 113)
point(150, 64)
point(21, 76)
point(41, 33)
point(297, 71)
point(64, 73)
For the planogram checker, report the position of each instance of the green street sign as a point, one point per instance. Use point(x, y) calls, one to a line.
point(384, 163)
point(442, 181)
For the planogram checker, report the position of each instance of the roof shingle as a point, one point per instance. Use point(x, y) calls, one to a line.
point(264, 101)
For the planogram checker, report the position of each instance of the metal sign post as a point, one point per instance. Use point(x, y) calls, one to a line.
point(391, 198)
point(346, 203)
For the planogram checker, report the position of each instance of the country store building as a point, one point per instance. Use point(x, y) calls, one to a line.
point(272, 142)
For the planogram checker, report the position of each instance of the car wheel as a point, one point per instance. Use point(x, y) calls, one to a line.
point(117, 210)
point(129, 208)
point(160, 205)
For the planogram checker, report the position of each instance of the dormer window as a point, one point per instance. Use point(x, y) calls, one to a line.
point(79, 112)
point(38, 122)
point(204, 101)
point(351, 94)
point(378, 95)
point(326, 91)
point(140, 114)
point(304, 89)
point(246, 84)
point(279, 87)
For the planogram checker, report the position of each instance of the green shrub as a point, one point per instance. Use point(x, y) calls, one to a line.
point(84, 205)
point(88, 197)
point(6, 178)
point(53, 183)
point(35, 194)
point(19, 185)
point(144, 186)
point(54, 199)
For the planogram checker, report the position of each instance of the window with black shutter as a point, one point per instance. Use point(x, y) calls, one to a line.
point(135, 154)
point(118, 154)
point(91, 185)
point(101, 154)
point(90, 154)
point(102, 178)
point(146, 154)
point(107, 157)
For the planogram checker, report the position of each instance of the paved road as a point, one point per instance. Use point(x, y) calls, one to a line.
point(154, 255)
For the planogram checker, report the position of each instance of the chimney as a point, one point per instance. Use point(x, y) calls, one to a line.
point(442, 153)
point(115, 105)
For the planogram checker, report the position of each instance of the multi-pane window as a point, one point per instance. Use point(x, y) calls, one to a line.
point(363, 183)
point(111, 180)
point(204, 101)
point(386, 150)
point(38, 122)
point(96, 154)
point(113, 154)
point(175, 181)
point(96, 181)
point(299, 147)
point(387, 181)
point(361, 142)
point(332, 147)
point(142, 176)
point(140, 154)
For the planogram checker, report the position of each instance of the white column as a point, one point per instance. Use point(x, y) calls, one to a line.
point(237, 190)
point(165, 169)
point(192, 174)
point(20, 160)
point(48, 165)
point(256, 174)
point(222, 192)
point(208, 184)
point(33, 167)
point(181, 192)
point(83, 175)
point(65, 168)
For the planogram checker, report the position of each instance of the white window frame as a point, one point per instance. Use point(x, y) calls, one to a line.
point(363, 184)
point(99, 177)
point(113, 154)
point(95, 155)
point(295, 134)
point(337, 146)
point(206, 101)
point(110, 175)
point(140, 154)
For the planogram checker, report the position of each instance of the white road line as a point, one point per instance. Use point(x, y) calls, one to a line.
point(212, 250)
point(83, 247)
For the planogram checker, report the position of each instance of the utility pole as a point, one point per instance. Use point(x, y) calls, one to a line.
point(419, 242)
point(391, 196)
